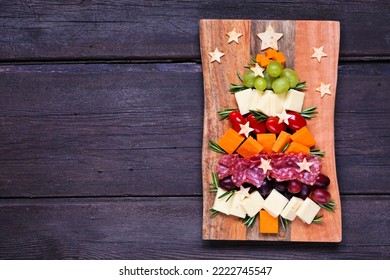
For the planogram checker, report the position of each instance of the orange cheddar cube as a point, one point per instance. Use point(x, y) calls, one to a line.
point(262, 60)
point(279, 57)
point(297, 148)
point(266, 140)
point(271, 53)
point(304, 137)
point(249, 148)
point(230, 140)
point(281, 141)
point(268, 224)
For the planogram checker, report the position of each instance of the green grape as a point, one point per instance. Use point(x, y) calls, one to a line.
point(269, 80)
point(291, 75)
point(281, 85)
point(260, 83)
point(274, 69)
point(249, 78)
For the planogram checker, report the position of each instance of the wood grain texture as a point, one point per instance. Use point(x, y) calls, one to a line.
point(168, 228)
point(217, 78)
point(311, 34)
point(303, 35)
point(121, 29)
point(79, 130)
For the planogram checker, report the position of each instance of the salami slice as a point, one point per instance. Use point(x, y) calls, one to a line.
point(284, 168)
point(306, 177)
point(225, 165)
point(242, 170)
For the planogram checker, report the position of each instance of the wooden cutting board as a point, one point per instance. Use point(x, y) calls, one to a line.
point(299, 38)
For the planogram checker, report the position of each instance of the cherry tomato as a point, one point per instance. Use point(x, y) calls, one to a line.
point(258, 127)
point(236, 119)
point(296, 121)
point(273, 125)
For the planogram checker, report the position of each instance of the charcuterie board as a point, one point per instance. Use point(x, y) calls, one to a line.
point(297, 43)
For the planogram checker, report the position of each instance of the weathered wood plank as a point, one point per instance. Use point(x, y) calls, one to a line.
point(168, 228)
point(71, 130)
point(56, 30)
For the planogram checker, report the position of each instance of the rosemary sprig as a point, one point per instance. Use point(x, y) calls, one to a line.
point(328, 206)
point(214, 212)
point(317, 152)
point(249, 221)
point(300, 85)
point(229, 194)
point(310, 112)
point(215, 184)
point(285, 147)
point(253, 60)
point(260, 117)
point(318, 219)
point(285, 223)
point(225, 113)
point(240, 78)
point(236, 88)
point(215, 147)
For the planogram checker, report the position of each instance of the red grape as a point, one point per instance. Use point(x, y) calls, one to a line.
point(322, 181)
point(294, 186)
point(227, 184)
point(320, 196)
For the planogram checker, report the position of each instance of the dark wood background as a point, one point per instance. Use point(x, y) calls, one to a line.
point(101, 111)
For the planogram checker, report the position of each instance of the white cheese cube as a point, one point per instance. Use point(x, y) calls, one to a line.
point(308, 210)
point(236, 208)
point(263, 104)
point(290, 211)
point(256, 95)
point(253, 204)
point(294, 100)
point(220, 204)
point(276, 103)
point(275, 203)
point(243, 99)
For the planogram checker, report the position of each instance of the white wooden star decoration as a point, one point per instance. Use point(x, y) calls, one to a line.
point(304, 165)
point(318, 53)
point(243, 192)
point(245, 129)
point(269, 38)
point(324, 89)
point(216, 55)
point(233, 36)
point(283, 117)
point(258, 70)
point(265, 165)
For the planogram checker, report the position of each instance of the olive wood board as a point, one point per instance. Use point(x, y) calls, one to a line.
point(299, 38)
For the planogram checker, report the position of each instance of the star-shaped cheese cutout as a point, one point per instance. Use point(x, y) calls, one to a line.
point(233, 36)
point(269, 38)
point(304, 165)
point(283, 117)
point(243, 192)
point(265, 165)
point(258, 70)
point(245, 129)
point(318, 53)
point(324, 89)
point(216, 55)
